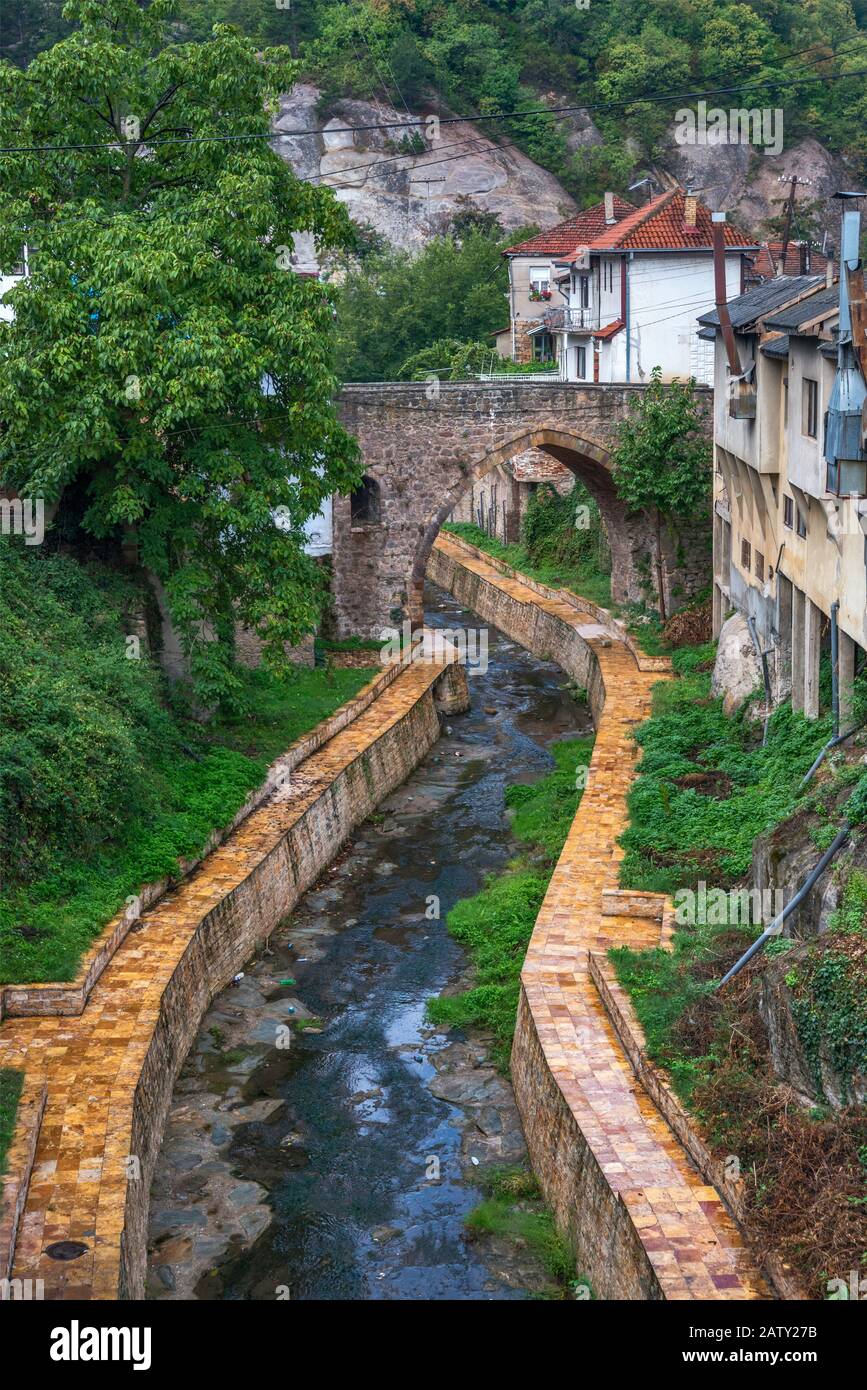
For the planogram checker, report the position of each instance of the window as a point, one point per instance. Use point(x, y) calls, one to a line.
point(802, 525)
point(810, 407)
point(788, 512)
point(584, 291)
point(746, 555)
point(760, 566)
point(581, 363)
point(364, 503)
point(543, 347)
point(608, 275)
point(540, 278)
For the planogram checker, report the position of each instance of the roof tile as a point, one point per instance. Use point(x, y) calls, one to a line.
point(659, 226)
point(567, 236)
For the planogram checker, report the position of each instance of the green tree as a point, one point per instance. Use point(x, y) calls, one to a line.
point(27, 26)
point(661, 463)
point(160, 299)
point(392, 305)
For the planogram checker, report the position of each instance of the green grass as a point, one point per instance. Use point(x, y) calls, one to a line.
point(680, 833)
point(664, 984)
point(47, 923)
point(583, 578)
point(496, 924)
point(513, 1209)
point(11, 1083)
point(348, 644)
point(705, 790)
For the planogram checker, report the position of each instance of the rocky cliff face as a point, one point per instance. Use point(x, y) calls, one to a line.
point(745, 182)
point(407, 194)
point(384, 183)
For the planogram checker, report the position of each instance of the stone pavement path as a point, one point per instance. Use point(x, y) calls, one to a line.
point(693, 1244)
point(92, 1063)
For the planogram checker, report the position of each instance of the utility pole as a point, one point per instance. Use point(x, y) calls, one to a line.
point(793, 180)
point(413, 182)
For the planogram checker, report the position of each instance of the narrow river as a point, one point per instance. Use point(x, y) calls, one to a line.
point(342, 1165)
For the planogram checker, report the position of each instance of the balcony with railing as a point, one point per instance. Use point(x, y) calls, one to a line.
point(565, 318)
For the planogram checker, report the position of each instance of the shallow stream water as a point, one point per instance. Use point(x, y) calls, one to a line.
point(340, 1166)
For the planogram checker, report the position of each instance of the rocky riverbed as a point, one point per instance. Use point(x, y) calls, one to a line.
point(325, 1141)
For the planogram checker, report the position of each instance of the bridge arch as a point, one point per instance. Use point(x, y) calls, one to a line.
point(424, 444)
point(587, 459)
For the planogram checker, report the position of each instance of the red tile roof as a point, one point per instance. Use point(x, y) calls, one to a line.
point(659, 226)
point(610, 329)
point(765, 261)
point(564, 239)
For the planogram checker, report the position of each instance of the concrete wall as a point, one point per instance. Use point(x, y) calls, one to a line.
point(761, 465)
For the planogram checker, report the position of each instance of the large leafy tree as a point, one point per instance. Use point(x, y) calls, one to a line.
point(160, 299)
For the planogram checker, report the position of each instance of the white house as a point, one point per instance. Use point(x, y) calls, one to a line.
point(8, 282)
point(615, 291)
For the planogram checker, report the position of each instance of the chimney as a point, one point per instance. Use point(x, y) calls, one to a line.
point(829, 272)
point(609, 209)
point(803, 257)
point(690, 209)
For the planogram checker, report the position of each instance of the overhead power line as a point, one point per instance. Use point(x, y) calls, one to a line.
point(477, 117)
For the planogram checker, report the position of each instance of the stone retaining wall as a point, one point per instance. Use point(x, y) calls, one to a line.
point(228, 935)
point(545, 635)
point(109, 1072)
point(19, 1166)
point(619, 1008)
point(585, 1206)
point(69, 997)
point(642, 1221)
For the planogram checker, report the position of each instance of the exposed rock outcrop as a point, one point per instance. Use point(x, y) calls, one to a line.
point(811, 1058)
point(745, 182)
point(383, 182)
point(737, 671)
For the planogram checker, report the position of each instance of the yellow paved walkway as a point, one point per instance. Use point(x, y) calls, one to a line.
point(693, 1244)
point(92, 1063)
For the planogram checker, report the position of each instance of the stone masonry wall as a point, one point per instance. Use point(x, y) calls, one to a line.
point(425, 447)
point(586, 1208)
point(229, 933)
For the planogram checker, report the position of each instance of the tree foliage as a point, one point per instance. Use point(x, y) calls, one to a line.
point(160, 299)
point(500, 55)
point(393, 305)
point(662, 458)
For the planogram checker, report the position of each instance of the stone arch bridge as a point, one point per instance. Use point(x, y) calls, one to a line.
point(424, 445)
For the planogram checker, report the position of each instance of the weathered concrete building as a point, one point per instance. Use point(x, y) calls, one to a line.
point(790, 545)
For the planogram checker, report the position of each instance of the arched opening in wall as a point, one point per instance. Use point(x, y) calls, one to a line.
point(552, 494)
point(365, 503)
